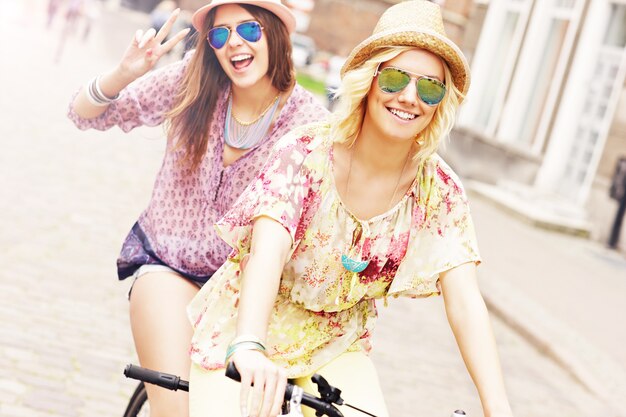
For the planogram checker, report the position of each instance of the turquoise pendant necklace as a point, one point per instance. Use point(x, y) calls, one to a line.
point(359, 265)
point(354, 265)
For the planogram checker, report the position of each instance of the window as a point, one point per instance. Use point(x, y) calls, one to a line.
point(616, 32)
point(539, 74)
point(501, 56)
point(599, 92)
point(493, 63)
point(543, 80)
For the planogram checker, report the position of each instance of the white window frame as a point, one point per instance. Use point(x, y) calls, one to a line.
point(543, 14)
point(551, 175)
point(483, 58)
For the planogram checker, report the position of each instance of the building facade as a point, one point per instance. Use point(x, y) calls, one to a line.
point(543, 124)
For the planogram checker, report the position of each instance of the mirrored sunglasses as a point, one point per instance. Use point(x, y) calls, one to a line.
point(248, 31)
point(393, 80)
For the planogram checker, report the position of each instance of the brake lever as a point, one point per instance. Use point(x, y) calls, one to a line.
point(327, 392)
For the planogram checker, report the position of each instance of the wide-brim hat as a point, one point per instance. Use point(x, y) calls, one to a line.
point(274, 6)
point(415, 23)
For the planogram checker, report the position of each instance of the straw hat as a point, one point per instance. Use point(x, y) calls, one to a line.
point(413, 23)
point(274, 6)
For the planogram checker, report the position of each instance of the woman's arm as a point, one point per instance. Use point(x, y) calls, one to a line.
point(469, 321)
point(140, 57)
point(111, 84)
point(261, 273)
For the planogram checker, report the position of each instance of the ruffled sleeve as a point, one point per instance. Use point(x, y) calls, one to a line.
point(280, 192)
point(442, 232)
point(145, 101)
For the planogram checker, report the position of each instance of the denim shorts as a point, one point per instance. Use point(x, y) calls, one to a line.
point(137, 253)
point(148, 268)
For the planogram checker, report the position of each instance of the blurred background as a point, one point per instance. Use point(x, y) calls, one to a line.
point(540, 144)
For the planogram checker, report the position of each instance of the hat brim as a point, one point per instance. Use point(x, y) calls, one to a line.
point(429, 41)
point(280, 10)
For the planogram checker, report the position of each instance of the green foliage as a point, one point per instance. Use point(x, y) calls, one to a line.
point(313, 85)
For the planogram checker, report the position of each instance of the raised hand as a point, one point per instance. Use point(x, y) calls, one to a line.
point(147, 48)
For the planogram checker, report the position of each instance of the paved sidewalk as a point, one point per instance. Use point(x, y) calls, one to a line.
point(566, 295)
point(68, 198)
point(563, 296)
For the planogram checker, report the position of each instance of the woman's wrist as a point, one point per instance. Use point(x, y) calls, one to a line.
point(244, 342)
point(113, 82)
point(96, 96)
point(501, 410)
point(247, 337)
point(105, 88)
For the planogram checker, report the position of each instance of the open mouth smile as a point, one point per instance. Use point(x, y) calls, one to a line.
point(241, 61)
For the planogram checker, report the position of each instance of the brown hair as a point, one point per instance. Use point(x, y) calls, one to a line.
point(193, 112)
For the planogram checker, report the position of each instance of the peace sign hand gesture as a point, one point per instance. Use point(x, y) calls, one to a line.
point(147, 48)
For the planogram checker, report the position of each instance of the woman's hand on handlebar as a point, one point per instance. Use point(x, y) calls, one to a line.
point(265, 398)
point(147, 48)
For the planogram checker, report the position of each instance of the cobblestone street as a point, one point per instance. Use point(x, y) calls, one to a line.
point(67, 200)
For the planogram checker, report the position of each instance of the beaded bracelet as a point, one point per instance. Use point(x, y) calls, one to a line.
point(96, 96)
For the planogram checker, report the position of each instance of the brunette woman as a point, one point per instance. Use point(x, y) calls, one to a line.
point(224, 106)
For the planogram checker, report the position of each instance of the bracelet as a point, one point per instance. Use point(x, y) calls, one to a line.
point(96, 96)
point(245, 345)
point(247, 338)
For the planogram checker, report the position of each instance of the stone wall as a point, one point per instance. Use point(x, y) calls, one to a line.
point(337, 26)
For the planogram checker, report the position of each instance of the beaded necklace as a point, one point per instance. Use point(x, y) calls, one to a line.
point(247, 135)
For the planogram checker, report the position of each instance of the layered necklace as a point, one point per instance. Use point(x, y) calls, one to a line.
point(247, 135)
point(349, 261)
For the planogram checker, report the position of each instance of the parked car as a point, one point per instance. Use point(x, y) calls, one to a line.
point(303, 50)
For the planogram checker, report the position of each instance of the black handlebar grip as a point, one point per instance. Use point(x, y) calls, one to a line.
point(232, 372)
point(161, 379)
point(321, 406)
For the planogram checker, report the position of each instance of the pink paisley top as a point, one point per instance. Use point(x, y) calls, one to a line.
point(185, 204)
point(322, 309)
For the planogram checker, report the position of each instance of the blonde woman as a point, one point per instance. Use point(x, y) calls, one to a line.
point(224, 107)
point(344, 213)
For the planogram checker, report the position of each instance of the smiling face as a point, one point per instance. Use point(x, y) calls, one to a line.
point(402, 115)
point(245, 63)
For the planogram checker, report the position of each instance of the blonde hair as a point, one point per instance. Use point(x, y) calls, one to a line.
point(347, 118)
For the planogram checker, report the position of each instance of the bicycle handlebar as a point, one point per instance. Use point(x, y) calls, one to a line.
point(169, 381)
point(174, 383)
point(307, 399)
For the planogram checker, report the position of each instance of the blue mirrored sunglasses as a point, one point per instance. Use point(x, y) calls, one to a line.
point(248, 31)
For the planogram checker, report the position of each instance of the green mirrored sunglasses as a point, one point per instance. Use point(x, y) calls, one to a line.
point(393, 80)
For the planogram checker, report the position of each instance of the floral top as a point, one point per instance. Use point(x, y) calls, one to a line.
point(178, 222)
point(322, 309)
